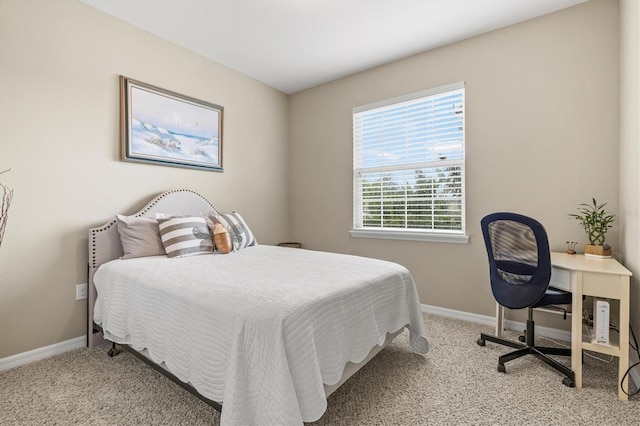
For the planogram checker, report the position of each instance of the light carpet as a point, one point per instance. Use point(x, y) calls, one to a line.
point(455, 384)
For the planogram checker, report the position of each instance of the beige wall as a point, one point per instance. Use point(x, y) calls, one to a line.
point(543, 109)
point(542, 136)
point(630, 149)
point(59, 106)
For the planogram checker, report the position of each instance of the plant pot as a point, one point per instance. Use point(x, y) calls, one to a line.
point(597, 251)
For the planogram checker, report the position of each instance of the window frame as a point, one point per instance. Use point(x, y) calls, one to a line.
point(412, 234)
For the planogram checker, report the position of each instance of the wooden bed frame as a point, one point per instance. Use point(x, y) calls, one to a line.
point(105, 245)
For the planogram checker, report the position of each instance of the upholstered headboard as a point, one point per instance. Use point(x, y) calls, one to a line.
point(105, 245)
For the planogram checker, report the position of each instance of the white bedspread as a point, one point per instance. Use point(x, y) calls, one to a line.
point(259, 330)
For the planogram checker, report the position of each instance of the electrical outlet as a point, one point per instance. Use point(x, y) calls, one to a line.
point(81, 291)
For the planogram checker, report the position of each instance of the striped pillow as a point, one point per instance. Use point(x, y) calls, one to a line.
point(185, 236)
point(241, 235)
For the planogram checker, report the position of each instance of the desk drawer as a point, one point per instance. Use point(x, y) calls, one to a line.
point(560, 279)
point(601, 285)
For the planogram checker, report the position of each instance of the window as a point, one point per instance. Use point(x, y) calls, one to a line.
point(408, 167)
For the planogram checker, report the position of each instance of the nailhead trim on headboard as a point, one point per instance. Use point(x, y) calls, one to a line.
point(145, 209)
point(161, 196)
point(93, 240)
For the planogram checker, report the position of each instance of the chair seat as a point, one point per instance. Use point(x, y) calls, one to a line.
point(554, 297)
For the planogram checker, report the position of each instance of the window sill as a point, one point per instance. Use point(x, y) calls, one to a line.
point(410, 236)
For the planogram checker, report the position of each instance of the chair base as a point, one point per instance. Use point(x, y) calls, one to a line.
point(529, 348)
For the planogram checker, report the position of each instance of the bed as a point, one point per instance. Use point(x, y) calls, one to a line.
point(266, 333)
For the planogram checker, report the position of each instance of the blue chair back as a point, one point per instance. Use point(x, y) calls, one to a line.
point(519, 258)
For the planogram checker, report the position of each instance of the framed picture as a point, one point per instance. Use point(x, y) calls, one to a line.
point(163, 127)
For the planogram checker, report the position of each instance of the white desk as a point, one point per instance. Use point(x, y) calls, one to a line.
point(604, 278)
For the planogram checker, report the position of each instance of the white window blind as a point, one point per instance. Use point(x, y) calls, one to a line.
point(408, 164)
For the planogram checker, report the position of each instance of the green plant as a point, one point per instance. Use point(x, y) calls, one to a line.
point(595, 220)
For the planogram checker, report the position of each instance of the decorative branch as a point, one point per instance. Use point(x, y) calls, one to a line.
point(7, 196)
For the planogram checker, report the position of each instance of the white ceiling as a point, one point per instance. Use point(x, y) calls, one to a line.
point(292, 45)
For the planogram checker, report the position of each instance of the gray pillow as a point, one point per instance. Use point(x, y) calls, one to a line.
point(139, 236)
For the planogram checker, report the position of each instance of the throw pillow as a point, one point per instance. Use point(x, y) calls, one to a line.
point(139, 236)
point(185, 236)
point(239, 232)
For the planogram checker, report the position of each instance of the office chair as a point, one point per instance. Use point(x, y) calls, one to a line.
point(520, 271)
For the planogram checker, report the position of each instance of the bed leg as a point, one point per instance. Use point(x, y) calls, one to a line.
point(114, 350)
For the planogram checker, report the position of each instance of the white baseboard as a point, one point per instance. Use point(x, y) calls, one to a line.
point(42, 353)
point(461, 315)
point(552, 333)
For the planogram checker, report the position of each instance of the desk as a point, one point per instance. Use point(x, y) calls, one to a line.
point(604, 278)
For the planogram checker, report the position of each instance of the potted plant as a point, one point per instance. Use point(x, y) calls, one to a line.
point(596, 221)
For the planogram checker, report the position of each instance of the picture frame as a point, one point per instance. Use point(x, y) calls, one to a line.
point(162, 127)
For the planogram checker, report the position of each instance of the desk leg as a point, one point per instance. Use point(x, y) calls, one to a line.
point(499, 319)
point(623, 361)
point(576, 326)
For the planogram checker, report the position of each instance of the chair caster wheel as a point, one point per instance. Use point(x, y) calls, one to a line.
point(570, 383)
point(521, 338)
point(501, 368)
point(480, 342)
point(113, 352)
